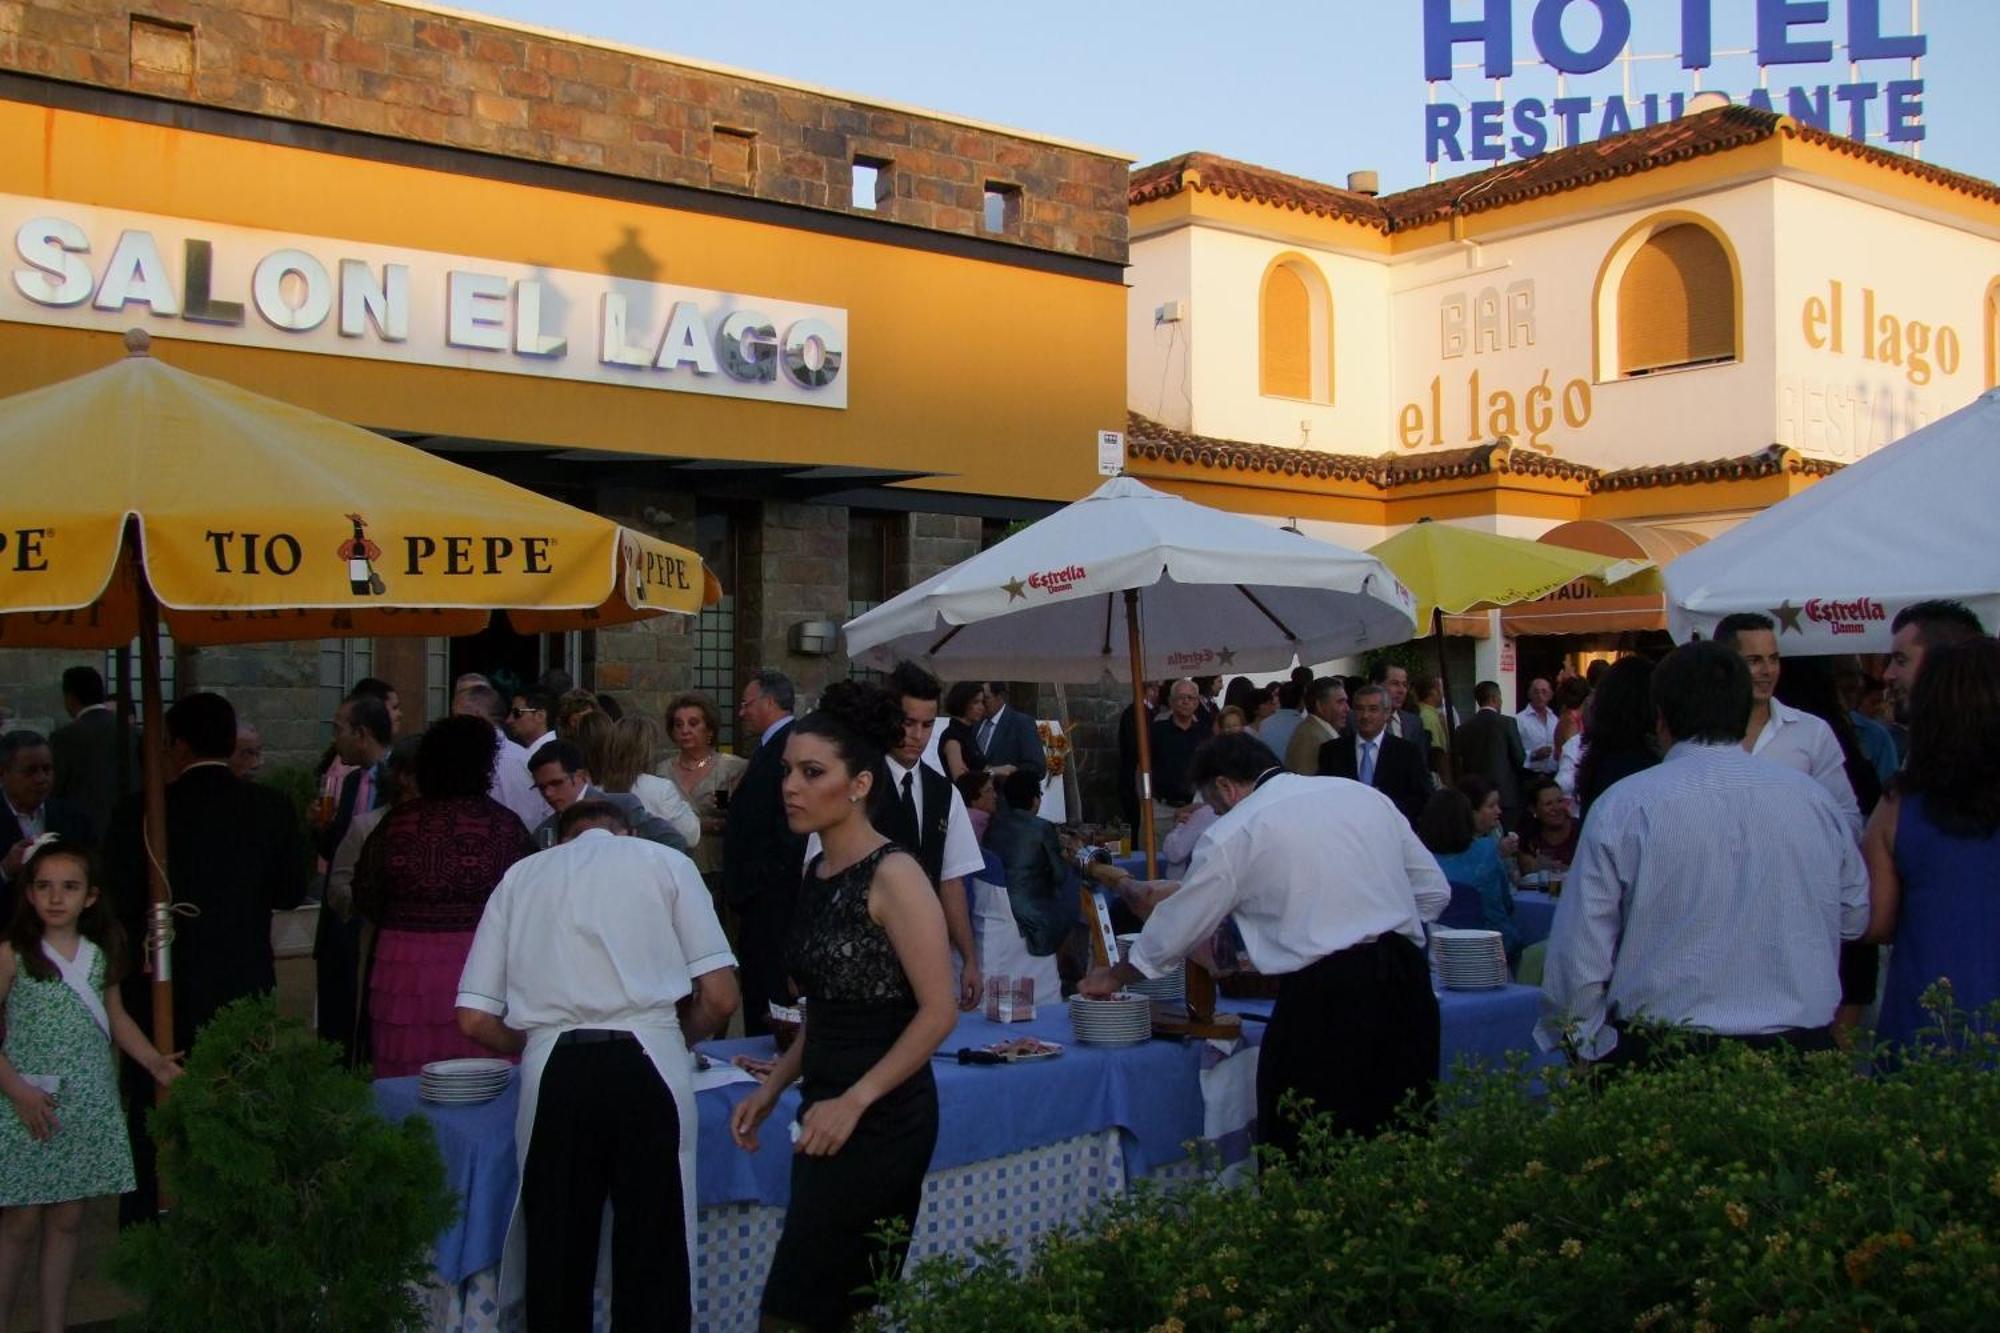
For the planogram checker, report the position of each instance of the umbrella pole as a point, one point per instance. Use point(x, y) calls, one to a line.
point(1444, 684)
point(1141, 727)
point(159, 916)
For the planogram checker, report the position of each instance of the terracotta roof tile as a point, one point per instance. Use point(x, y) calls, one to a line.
point(1151, 441)
point(1241, 180)
point(1570, 168)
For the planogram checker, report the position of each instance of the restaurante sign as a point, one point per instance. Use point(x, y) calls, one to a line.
point(83, 267)
point(1788, 33)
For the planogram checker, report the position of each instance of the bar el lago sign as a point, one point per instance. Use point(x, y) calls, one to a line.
point(80, 267)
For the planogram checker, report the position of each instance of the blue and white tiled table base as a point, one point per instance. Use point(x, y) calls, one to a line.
point(1018, 1197)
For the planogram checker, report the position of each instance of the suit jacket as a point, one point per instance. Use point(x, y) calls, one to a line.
point(1488, 745)
point(236, 851)
point(86, 757)
point(644, 822)
point(760, 853)
point(1037, 871)
point(885, 812)
point(1016, 742)
point(1301, 754)
point(1400, 771)
point(66, 820)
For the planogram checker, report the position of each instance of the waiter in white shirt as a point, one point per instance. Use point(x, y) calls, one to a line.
point(1329, 890)
point(1778, 732)
point(1538, 728)
point(582, 959)
point(920, 810)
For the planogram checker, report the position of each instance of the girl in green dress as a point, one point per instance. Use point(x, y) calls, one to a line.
point(63, 1140)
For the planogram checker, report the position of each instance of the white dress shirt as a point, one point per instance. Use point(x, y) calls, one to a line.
point(1538, 730)
point(514, 787)
point(662, 798)
point(1566, 762)
point(962, 857)
point(1804, 742)
point(1712, 890)
point(534, 747)
point(605, 931)
point(1308, 867)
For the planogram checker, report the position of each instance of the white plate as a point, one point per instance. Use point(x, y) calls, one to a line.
point(463, 1068)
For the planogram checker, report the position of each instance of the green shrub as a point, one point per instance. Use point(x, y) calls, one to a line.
point(295, 1207)
point(1727, 1191)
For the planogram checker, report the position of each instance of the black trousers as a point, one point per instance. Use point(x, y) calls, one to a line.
point(1635, 1049)
point(606, 1129)
point(1354, 1034)
point(762, 922)
point(336, 962)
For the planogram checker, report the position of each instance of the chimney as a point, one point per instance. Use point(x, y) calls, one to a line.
point(1364, 182)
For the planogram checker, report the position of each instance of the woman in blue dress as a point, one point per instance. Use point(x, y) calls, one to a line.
point(1933, 844)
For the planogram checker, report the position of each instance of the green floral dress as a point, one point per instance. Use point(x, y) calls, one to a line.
point(49, 1031)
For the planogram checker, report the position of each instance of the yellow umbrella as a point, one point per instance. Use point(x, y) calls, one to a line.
point(139, 489)
point(1452, 569)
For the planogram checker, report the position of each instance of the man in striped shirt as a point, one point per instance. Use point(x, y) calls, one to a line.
point(1711, 892)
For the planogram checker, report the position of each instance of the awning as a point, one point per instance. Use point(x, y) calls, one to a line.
point(1584, 607)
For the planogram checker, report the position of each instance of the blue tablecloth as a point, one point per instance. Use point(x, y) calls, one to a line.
point(1151, 1091)
point(1534, 913)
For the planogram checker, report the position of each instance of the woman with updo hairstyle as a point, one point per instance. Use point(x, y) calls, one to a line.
point(868, 954)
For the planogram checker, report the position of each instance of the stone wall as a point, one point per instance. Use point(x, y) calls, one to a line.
point(275, 686)
point(31, 684)
point(441, 79)
point(793, 567)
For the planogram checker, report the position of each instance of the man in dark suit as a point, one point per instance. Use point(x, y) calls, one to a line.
point(1405, 720)
point(1488, 745)
point(762, 859)
point(1008, 737)
point(27, 774)
point(236, 853)
point(86, 749)
point(1367, 753)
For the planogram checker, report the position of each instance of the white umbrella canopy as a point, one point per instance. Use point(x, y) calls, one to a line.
point(1217, 593)
point(1834, 564)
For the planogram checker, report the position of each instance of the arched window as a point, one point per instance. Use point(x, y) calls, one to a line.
point(1677, 302)
point(1992, 317)
point(1295, 333)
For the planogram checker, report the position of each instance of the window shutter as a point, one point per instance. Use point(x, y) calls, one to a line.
point(1676, 303)
point(1285, 335)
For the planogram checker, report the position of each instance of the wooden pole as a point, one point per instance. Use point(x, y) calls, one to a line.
point(1141, 727)
point(159, 915)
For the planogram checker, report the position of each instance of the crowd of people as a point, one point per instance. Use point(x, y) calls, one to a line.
point(548, 876)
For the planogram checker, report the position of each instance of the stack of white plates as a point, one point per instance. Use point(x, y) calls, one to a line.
point(1170, 990)
point(1469, 959)
point(1124, 1019)
point(464, 1082)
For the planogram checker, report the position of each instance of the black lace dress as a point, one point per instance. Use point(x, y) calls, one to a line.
point(858, 1001)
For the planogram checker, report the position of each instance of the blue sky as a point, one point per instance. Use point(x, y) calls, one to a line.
point(1318, 89)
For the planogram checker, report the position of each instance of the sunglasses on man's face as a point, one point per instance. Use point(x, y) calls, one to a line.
point(521, 712)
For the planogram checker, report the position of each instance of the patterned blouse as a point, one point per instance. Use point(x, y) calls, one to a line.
point(430, 864)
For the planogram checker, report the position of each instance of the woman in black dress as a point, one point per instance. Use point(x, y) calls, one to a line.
point(868, 952)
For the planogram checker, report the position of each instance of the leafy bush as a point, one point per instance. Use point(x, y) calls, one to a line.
point(295, 1206)
point(1732, 1190)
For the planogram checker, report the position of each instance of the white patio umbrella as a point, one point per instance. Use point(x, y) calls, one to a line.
point(1834, 564)
point(1138, 584)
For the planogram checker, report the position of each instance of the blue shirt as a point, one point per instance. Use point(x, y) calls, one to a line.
point(1711, 891)
point(1479, 866)
point(1878, 745)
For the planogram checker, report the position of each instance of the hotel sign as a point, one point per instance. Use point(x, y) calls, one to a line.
point(74, 266)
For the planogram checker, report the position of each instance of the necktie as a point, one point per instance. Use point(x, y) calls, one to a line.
point(1367, 773)
point(912, 835)
point(986, 733)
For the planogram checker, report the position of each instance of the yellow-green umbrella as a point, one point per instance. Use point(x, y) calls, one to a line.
point(1452, 570)
point(140, 490)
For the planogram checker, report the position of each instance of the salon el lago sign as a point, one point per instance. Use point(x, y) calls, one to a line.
point(75, 266)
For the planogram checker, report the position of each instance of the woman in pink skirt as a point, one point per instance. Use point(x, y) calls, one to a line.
point(423, 879)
